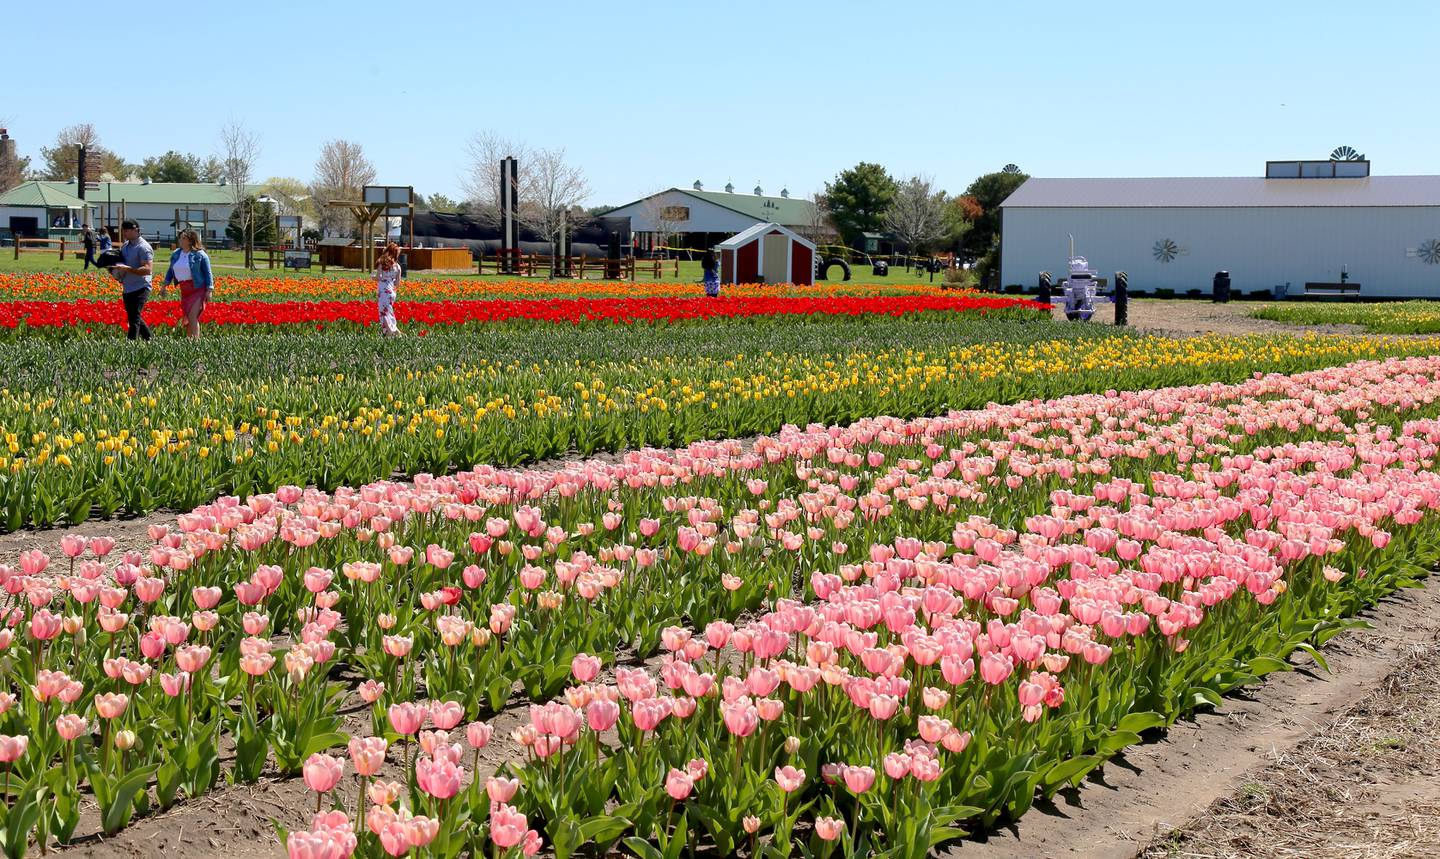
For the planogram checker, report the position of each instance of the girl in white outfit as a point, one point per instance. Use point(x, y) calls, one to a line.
point(387, 280)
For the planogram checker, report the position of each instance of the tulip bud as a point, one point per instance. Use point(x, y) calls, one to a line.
point(792, 745)
point(751, 824)
point(125, 740)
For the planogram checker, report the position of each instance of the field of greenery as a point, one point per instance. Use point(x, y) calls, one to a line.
point(94, 426)
point(1391, 317)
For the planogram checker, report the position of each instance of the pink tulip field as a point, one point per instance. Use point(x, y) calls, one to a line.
point(831, 641)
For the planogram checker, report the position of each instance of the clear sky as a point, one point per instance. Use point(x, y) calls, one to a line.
point(784, 92)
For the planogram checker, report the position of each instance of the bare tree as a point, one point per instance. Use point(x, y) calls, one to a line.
point(481, 179)
point(342, 173)
point(917, 214)
point(239, 152)
point(667, 219)
point(556, 189)
point(817, 227)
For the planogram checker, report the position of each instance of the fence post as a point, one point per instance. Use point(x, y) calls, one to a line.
point(62, 249)
point(1122, 298)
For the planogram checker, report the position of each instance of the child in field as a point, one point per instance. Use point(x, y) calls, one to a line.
point(711, 267)
point(387, 281)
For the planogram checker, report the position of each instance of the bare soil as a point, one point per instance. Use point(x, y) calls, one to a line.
point(1186, 318)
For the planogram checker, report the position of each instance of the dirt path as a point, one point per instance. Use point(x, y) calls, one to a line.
point(1186, 318)
point(1367, 784)
point(1156, 787)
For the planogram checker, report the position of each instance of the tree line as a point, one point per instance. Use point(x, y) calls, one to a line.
point(922, 219)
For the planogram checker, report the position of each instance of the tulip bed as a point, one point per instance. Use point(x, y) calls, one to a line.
point(98, 318)
point(100, 427)
point(67, 287)
point(872, 638)
point(1391, 317)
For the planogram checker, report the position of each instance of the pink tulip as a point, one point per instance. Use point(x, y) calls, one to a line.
point(368, 755)
point(789, 778)
point(507, 826)
point(601, 715)
point(406, 718)
point(478, 734)
point(439, 778)
point(829, 828)
point(70, 726)
point(679, 784)
point(500, 789)
point(322, 772)
point(13, 748)
point(858, 778)
point(111, 705)
point(446, 714)
point(584, 667)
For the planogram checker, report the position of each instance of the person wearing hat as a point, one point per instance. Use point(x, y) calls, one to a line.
point(134, 274)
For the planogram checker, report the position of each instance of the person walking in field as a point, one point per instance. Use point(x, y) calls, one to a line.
point(387, 282)
point(134, 274)
point(190, 269)
point(711, 267)
point(88, 238)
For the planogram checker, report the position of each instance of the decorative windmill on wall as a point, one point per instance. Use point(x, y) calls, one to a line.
point(1346, 153)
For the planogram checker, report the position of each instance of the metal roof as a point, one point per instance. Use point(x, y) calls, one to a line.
point(780, 210)
point(173, 193)
point(1224, 192)
point(751, 233)
point(39, 194)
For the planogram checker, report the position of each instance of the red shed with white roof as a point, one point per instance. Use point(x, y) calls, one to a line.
point(767, 253)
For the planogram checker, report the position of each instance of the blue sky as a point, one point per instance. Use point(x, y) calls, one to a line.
point(648, 95)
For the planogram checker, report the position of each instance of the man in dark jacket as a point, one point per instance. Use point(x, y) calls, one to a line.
point(88, 237)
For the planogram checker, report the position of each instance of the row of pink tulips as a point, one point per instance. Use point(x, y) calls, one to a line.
point(1005, 543)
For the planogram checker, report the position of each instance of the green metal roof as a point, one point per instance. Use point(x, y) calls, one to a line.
point(39, 194)
point(173, 193)
point(778, 210)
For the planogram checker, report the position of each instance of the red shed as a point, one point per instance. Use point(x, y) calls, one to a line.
point(769, 252)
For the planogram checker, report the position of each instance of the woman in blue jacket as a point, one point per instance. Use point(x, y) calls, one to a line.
point(190, 268)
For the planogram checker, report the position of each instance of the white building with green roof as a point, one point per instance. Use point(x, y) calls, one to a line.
point(699, 219)
point(37, 207)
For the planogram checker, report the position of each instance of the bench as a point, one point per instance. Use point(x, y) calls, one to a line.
point(1335, 290)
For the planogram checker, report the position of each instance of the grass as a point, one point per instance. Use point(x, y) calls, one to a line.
point(231, 263)
point(1394, 317)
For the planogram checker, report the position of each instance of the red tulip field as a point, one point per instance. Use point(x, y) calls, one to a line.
point(892, 635)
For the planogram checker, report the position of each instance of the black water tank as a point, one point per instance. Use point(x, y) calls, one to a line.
point(1221, 287)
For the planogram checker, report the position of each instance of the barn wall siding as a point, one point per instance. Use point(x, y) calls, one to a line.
point(1260, 247)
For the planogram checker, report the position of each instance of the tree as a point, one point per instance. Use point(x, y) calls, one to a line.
point(440, 203)
point(239, 151)
point(556, 190)
point(261, 215)
point(858, 199)
point(59, 159)
point(171, 167)
point(989, 191)
point(818, 227)
point(960, 215)
point(916, 214)
point(481, 180)
point(291, 196)
point(342, 173)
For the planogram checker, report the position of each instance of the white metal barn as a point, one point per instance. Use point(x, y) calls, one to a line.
point(1383, 232)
